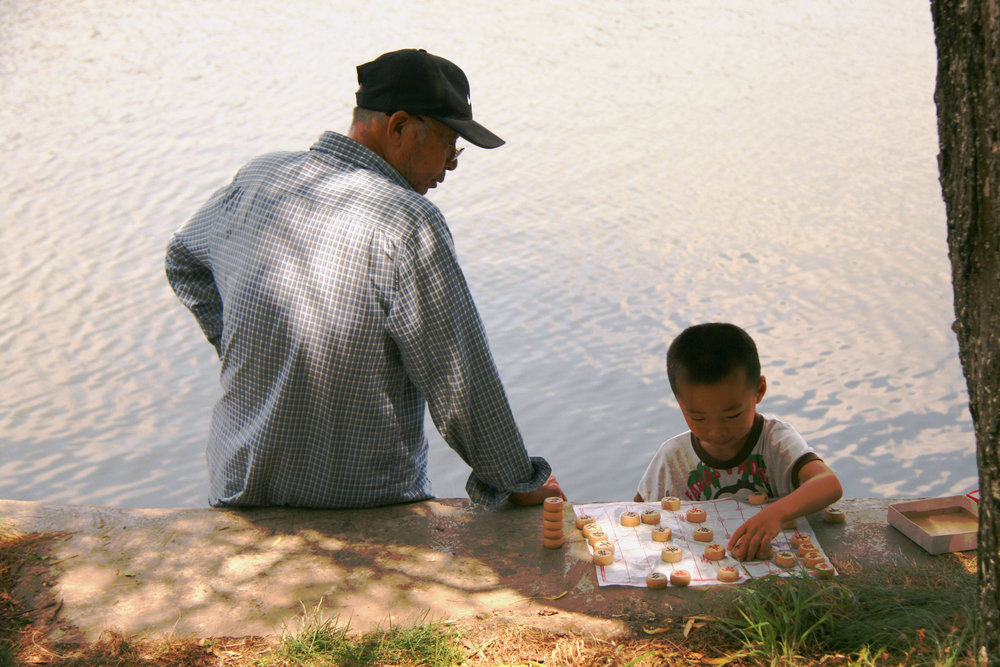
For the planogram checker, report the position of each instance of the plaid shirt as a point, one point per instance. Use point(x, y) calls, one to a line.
point(332, 293)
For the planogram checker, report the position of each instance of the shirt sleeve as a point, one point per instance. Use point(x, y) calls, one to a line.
point(655, 481)
point(666, 474)
point(441, 339)
point(189, 273)
point(785, 452)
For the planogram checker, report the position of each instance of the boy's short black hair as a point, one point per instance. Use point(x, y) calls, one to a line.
point(710, 352)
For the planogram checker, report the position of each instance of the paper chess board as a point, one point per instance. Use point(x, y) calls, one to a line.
point(637, 554)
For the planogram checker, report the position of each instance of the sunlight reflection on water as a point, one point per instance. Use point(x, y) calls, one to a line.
point(770, 165)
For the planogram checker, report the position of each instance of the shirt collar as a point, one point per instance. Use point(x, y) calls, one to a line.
point(752, 437)
point(345, 148)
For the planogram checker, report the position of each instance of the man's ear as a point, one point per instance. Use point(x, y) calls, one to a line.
point(394, 128)
point(761, 388)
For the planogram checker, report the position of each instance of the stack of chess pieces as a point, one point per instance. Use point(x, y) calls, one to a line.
point(552, 523)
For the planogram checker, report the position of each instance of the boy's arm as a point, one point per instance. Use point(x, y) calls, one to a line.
point(818, 487)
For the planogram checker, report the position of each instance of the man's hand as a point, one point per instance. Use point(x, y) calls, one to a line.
point(537, 497)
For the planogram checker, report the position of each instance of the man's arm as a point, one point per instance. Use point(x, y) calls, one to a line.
point(538, 496)
point(194, 285)
point(444, 350)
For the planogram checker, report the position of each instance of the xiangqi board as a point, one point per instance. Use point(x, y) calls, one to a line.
point(637, 553)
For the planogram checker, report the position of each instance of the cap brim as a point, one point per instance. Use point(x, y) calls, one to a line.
point(472, 132)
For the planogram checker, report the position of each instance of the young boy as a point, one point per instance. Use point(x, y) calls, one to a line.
point(731, 449)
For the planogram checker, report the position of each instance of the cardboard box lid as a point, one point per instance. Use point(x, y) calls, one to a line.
point(938, 525)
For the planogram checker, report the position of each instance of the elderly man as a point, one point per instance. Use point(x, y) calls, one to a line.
point(330, 289)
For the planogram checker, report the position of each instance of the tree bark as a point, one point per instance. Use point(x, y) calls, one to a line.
point(967, 33)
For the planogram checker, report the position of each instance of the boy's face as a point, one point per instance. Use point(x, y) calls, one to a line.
point(721, 414)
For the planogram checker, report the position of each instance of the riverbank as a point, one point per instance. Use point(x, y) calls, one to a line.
point(221, 573)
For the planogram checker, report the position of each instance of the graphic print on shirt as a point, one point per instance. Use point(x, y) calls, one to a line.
point(707, 483)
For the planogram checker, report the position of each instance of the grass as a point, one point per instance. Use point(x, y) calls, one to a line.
point(868, 619)
point(899, 616)
point(318, 641)
point(778, 619)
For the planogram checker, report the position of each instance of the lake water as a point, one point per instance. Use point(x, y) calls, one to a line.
point(771, 164)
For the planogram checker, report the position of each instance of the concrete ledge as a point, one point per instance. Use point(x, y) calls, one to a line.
point(209, 572)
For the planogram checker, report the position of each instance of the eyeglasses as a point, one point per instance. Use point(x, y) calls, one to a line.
point(455, 151)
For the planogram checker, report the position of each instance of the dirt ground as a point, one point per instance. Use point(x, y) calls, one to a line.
point(190, 586)
point(31, 622)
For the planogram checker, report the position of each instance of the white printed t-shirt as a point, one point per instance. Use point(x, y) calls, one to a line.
point(768, 463)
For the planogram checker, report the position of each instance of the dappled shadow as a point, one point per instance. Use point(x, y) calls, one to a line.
point(28, 602)
point(235, 573)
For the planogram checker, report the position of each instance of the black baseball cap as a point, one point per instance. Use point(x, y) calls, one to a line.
point(421, 83)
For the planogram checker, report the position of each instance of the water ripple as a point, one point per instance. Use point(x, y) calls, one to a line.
point(668, 163)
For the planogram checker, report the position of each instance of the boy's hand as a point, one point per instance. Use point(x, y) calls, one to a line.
point(753, 538)
point(537, 497)
point(818, 488)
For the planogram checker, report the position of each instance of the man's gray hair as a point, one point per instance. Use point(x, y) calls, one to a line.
point(365, 116)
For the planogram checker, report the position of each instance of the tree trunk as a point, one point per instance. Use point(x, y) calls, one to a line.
point(967, 33)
